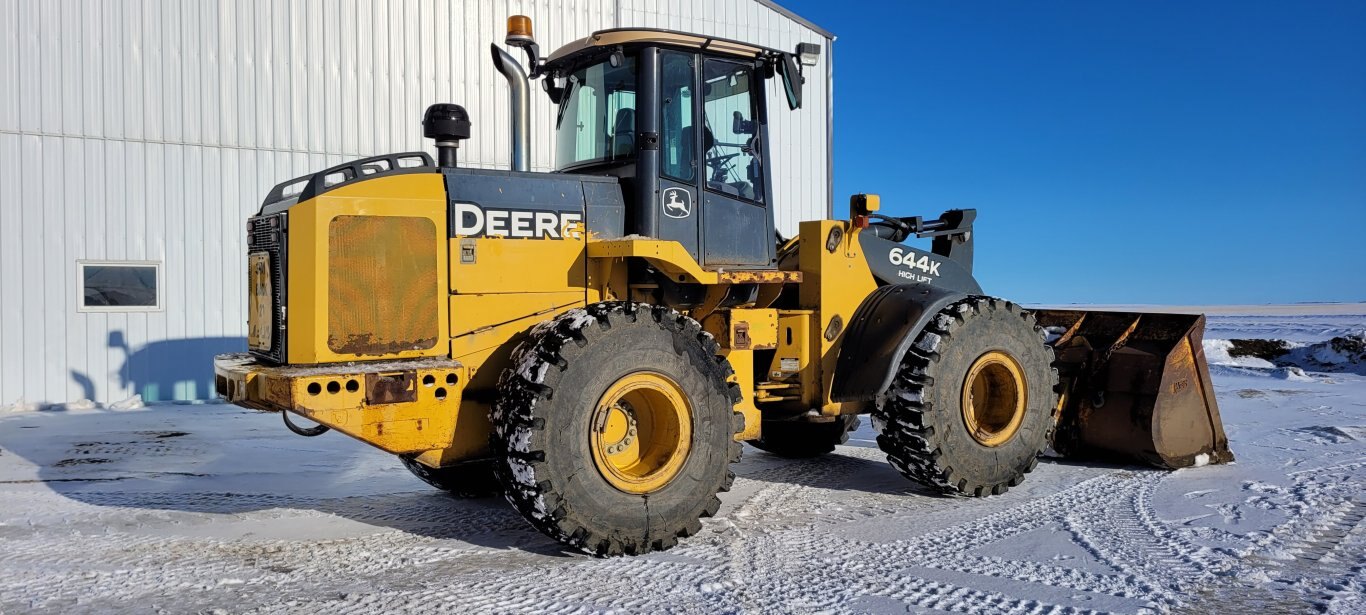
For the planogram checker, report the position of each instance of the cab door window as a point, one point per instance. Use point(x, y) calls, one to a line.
point(678, 138)
point(730, 139)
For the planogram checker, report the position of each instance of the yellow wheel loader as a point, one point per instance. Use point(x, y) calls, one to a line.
point(595, 343)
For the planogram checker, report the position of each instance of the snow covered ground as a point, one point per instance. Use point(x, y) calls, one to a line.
point(204, 508)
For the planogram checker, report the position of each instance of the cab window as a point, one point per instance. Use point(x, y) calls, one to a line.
point(597, 117)
point(678, 147)
point(731, 135)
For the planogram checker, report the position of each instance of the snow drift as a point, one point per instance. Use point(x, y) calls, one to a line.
point(1340, 354)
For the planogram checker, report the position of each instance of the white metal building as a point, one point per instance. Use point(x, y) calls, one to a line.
point(145, 132)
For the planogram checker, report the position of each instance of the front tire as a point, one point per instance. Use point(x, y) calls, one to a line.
point(971, 407)
point(615, 428)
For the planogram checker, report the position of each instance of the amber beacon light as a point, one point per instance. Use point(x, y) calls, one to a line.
point(519, 31)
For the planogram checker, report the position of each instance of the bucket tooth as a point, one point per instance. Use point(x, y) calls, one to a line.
point(1135, 386)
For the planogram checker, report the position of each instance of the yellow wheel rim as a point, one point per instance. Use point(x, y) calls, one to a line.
point(995, 395)
point(641, 432)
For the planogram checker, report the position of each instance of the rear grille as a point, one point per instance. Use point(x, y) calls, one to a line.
point(267, 234)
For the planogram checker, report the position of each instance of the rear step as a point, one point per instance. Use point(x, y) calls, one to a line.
point(1135, 386)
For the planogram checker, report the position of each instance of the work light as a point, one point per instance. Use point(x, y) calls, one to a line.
point(519, 31)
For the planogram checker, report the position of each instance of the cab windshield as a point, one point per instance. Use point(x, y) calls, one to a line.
point(597, 117)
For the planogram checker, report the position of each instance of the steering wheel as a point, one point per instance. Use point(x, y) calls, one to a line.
point(719, 166)
point(719, 163)
point(720, 159)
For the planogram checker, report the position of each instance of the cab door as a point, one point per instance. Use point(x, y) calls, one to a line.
point(737, 222)
point(679, 180)
point(713, 184)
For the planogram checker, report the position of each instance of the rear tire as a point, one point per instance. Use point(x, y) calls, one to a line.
point(471, 479)
point(803, 440)
point(615, 428)
point(971, 407)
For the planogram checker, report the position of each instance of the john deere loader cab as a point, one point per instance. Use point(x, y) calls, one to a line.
point(594, 343)
point(682, 120)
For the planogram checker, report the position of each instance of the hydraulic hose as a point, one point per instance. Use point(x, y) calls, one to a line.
point(308, 432)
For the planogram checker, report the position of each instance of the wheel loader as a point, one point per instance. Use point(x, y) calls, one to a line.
point(596, 343)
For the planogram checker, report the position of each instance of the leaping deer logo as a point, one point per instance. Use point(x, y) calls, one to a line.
point(677, 203)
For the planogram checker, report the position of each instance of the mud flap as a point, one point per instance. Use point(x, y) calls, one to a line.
point(1135, 386)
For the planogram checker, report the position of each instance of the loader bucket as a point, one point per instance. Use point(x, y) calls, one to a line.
point(1135, 386)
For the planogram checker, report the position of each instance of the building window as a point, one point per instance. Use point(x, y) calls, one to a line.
point(119, 286)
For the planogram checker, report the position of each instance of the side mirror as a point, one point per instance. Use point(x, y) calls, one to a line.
point(792, 80)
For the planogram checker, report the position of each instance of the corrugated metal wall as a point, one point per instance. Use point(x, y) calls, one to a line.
point(150, 130)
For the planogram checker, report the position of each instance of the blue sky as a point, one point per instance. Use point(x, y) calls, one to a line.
point(1117, 152)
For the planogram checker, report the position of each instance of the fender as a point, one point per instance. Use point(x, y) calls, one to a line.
point(898, 263)
point(882, 329)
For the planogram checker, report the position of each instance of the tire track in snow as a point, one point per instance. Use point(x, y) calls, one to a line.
point(779, 546)
point(797, 567)
point(139, 570)
point(957, 599)
point(1312, 561)
point(132, 567)
point(735, 564)
point(945, 549)
point(1044, 574)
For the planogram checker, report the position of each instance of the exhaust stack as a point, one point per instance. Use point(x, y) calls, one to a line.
point(520, 107)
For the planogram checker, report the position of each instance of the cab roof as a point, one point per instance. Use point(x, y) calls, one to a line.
point(630, 36)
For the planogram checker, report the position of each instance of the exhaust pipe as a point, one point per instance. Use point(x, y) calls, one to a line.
point(520, 106)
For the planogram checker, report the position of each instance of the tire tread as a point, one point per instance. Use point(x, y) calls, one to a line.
point(527, 487)
point(907, 435)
